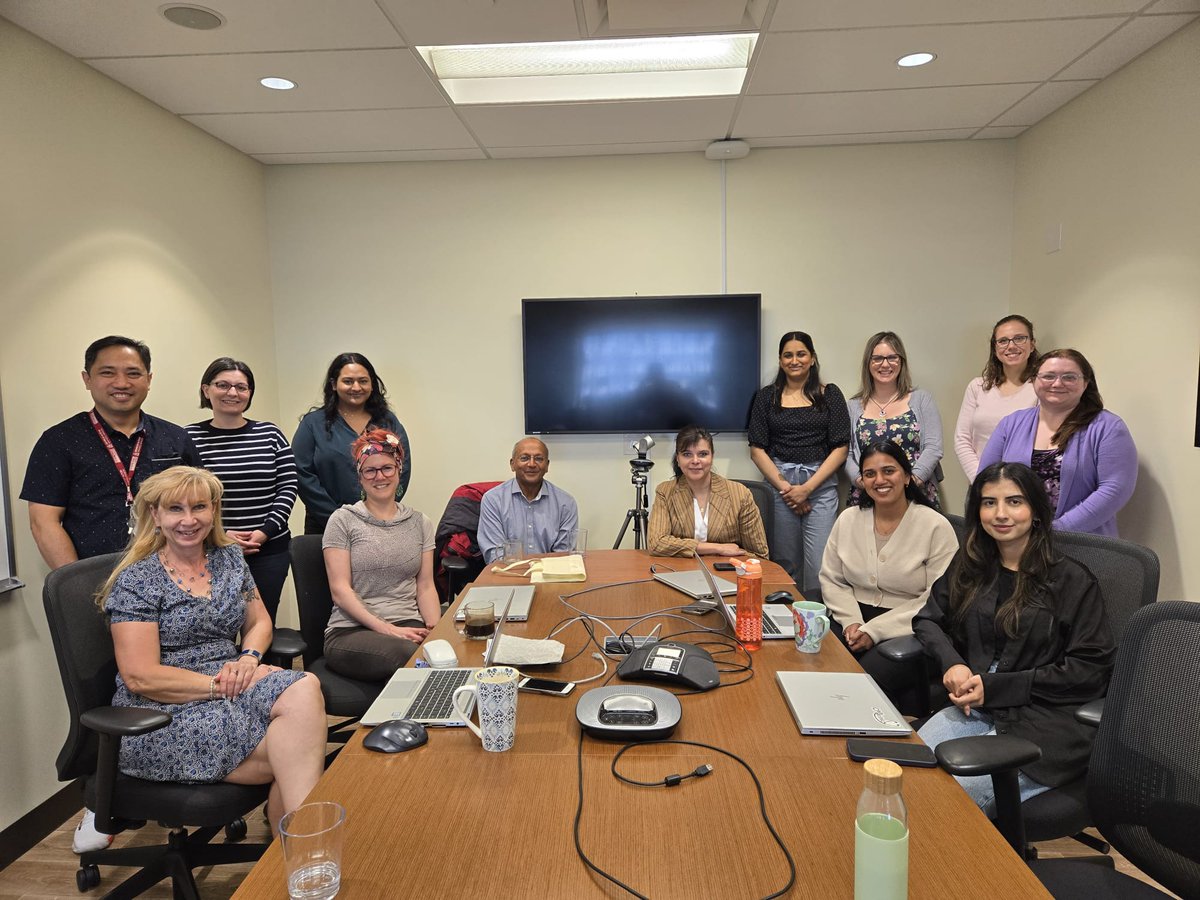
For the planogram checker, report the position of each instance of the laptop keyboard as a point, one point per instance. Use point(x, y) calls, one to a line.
point(769, 626)
point(433, 701)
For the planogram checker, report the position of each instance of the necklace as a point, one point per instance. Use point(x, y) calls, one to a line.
point(882, 407)
point(205, 574)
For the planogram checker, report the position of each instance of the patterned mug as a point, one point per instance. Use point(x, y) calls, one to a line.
point(812, 624)
point(495, 690)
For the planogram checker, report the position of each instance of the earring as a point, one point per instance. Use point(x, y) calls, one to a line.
point(157, 530)
point(362, 495)
point(1037, 523)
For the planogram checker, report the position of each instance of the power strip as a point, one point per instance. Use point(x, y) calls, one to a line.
point(618, 647)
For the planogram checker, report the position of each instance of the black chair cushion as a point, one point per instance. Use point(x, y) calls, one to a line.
point(1063, 810)
point(1066, 879)
point(347, 697)
point(178, 804)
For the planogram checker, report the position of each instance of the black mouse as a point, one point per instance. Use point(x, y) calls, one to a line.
point(779, 597)
point(396, 736)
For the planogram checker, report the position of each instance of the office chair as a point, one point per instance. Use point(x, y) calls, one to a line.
point(458, 559)
point(345, 698)
point(87, 664)
point(764, 499)
point(1128, 576)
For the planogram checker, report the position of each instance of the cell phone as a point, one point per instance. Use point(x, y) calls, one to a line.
point(546, 686)
point(862, 749)
point(724, 567)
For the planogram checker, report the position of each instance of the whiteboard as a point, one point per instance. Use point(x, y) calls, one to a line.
point(8, 573)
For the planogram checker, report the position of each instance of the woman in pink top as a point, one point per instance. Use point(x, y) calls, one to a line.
point(1005, 387)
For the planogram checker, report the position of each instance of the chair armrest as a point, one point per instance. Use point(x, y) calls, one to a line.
point(901, 649)
point(1090, 713)
point(124, 721)
point(986, 754)
point(286, 645)
point(453, 563)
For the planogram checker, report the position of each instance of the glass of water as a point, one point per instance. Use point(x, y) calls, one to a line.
point(312, 850)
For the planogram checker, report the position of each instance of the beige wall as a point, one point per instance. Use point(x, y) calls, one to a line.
point(118, 217)
point(422, 267)
point(1119, 168)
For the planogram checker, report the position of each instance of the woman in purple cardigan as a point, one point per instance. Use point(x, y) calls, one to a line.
point(1084, 454)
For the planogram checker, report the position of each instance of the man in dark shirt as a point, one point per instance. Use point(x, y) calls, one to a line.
point(84, 472)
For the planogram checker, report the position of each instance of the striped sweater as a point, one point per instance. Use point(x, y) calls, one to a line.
point(256, 466)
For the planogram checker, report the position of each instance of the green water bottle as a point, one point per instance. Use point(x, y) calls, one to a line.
point(881, 835)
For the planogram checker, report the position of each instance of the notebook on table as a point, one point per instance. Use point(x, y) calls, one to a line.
point(426, 695)
point(777, 622)
point(840, 703)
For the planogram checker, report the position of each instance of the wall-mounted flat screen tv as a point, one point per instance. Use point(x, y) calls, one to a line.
point(640, 364)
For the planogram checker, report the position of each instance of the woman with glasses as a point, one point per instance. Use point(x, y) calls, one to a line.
point(1005, 387)
point(1083, 454)
point(254, 462)
point(354, 401)
point(379, 559)
point(887, 407)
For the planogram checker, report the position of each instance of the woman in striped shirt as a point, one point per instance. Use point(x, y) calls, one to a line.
point(254, 462)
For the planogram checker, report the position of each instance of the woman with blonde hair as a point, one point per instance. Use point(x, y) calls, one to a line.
point(176, 602)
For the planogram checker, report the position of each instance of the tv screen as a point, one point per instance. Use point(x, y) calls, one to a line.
point(640, 364)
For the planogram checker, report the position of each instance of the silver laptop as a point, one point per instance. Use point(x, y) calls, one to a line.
point(840, 703)
point(518, 610)
point(695, 585)
point(777, 621)
point(426, 695)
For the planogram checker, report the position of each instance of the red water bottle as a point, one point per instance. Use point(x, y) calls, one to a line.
point(749, 604)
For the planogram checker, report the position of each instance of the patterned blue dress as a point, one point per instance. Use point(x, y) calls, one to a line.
point(207, 739)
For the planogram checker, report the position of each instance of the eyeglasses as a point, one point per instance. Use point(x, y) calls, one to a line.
point(1069, 379)
point(226, 386)
point(526, 458)
point(1019, 339)
point(891, 359)
point(378, 471)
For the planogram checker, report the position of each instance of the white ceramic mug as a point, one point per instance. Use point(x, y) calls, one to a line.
point(495, 690)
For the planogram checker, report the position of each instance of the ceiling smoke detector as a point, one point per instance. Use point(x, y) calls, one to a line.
point(195, 17)
point(727, 150)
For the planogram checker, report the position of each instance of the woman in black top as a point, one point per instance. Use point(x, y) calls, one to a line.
point(1019, 632)
point(799, 432)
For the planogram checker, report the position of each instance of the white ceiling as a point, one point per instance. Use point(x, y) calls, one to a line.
point(823, 71)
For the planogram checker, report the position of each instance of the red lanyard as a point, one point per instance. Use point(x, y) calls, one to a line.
point(126, 476)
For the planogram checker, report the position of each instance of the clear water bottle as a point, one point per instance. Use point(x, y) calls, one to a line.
point(881, 835)
point(749, 604)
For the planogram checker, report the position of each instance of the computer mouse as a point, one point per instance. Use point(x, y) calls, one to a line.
point(779, 597)
point(396, 736)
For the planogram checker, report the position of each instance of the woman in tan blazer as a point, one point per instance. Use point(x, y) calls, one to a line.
point(702, 511)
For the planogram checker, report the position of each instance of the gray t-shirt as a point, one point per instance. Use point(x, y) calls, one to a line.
point(385, 559)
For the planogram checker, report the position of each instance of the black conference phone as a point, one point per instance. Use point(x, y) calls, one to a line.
point(684, 664)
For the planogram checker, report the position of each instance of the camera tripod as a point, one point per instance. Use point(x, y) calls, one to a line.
point(639, 513)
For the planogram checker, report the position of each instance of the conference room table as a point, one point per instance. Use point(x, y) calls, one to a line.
point(449, 820)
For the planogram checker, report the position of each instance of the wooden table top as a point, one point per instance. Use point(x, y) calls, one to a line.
point(451, 820)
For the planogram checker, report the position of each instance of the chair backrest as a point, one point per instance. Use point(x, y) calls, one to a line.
point(1144, 776)
point(456, 536)
point(1127, 572)
point(764, 499)
point(314, 602)
point(959, 524)
point(84, 649)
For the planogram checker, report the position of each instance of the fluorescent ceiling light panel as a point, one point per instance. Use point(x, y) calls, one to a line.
point(638, 68)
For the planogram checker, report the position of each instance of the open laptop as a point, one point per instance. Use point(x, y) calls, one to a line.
point(840, 703)
point(695, 585)
point(518, 610)
point(426, 695)
point(778, 623)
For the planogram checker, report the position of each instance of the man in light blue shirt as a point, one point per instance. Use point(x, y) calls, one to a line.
point(527, 508)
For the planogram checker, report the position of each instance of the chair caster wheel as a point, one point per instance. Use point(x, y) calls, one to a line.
point(235, 831)
point(87, 877)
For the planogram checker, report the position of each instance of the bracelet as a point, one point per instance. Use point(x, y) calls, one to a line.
point(212, 688)
point(247, 652)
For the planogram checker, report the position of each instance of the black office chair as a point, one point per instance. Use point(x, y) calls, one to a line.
point(764, 499)
point(345, 698)
point(1128, 576)
point(457, 558)
point(88, 667)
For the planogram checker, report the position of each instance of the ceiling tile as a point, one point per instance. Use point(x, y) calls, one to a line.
point(921, 109)
point(1134, 39)
point(647, 121)
point(890, 137)
point(865, 59)
point(1009, 131)
point(317, 132)
point(91, 28)
point(1042, 102)
point(335, 79)
point(795, 15)
point(483, 21)
point(599, 149)
point(1172, 6)
point(279, 159)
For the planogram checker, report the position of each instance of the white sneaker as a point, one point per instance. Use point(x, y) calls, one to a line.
point(87, 837)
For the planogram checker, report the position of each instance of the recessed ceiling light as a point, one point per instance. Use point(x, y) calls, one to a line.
point(277, 84)
point(190, 16)
point(916, 59)
point(618, 69)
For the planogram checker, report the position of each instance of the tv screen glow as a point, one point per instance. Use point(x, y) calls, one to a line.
point(640, 364)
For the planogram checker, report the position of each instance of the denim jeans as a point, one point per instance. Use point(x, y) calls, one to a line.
point(950, 723)
point(799, 541)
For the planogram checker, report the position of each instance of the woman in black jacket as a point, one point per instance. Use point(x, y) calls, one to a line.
point(1019, 632)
